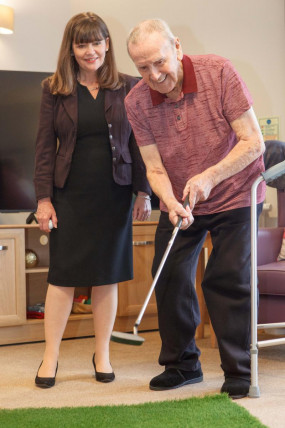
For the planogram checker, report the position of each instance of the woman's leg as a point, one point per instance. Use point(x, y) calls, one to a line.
point(57, 310)
point(104, 300)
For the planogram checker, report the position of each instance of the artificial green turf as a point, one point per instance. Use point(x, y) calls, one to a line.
point(216, 411)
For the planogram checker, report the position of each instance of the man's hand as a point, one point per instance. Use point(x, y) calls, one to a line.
point(177, 210)
point(199, 188)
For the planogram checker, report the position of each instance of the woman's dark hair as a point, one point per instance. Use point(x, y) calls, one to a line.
point(83, 28)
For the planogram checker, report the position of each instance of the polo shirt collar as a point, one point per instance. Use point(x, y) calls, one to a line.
point(189, 84)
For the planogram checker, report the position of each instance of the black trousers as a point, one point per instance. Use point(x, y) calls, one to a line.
point(226, 287)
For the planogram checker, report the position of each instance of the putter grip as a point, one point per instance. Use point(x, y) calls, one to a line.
point(179, 221)
point(274, 172)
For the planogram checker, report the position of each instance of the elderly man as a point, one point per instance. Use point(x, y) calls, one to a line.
point(198, 135)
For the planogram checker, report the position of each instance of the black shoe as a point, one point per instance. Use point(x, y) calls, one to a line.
point(45, 382)
point(174, 378)
point(236, 387)
point(102, 377)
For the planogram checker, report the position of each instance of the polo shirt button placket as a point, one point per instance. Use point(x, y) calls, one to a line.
point(178, 118)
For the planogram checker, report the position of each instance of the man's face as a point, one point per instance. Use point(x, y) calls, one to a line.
point(158, 62)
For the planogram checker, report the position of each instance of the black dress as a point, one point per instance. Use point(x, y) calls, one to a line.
point(93, 242)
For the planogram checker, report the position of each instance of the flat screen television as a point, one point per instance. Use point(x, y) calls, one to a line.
point(20, 95)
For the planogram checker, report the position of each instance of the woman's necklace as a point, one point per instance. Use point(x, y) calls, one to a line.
point(95, 88)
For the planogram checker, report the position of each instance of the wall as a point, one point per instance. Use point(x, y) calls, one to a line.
point(249, 32)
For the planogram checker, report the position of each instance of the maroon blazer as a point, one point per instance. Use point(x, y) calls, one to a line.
point(56, 140)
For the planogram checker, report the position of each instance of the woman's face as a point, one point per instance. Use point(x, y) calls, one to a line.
point(90, 56)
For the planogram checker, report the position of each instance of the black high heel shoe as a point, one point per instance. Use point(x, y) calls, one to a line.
point(102, 377)
point(45, 382)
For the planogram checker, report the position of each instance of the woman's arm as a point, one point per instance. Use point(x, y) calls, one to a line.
point(139, 177)
point(141, 187)
point(46, 144)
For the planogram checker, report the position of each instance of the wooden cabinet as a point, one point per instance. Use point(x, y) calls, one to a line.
point(132, 294)
point(12, 277)
point(21, 287)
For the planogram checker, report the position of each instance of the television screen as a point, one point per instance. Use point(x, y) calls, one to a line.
point(20, 95)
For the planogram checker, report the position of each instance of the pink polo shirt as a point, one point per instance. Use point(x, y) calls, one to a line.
point(194, 132)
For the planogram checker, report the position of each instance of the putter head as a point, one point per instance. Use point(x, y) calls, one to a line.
point(127, 338)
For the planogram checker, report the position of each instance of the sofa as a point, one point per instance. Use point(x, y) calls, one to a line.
point(271, 276)
point(270, 272)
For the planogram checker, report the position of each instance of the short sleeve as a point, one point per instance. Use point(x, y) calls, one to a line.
point(138, 119)
point(236, 98)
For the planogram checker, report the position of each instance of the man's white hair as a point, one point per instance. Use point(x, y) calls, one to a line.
point(144, 28)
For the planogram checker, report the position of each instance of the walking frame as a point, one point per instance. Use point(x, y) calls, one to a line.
point(267, 176)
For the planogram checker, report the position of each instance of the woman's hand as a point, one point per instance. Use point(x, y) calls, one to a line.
point(142, 207)
point(46, 212)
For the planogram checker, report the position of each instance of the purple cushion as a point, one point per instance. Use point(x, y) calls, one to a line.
point(269, 244)
point(271, 278)
point(271, 309)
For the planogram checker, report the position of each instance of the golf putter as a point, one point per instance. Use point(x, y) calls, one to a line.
point(135, 339)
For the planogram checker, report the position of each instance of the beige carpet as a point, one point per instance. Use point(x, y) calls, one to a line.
point(134, 367)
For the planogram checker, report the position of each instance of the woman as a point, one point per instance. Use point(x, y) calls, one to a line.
point(87, 168)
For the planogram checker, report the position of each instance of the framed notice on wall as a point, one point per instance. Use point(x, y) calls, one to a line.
point(269, 127)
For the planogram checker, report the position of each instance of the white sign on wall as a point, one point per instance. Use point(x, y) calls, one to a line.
point(269, 127)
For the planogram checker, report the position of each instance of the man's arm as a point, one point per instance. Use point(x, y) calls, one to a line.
point(249, 147)
point(161, 185)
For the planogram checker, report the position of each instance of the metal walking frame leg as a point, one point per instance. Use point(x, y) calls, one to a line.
point(254, 388)
point(267, 176)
